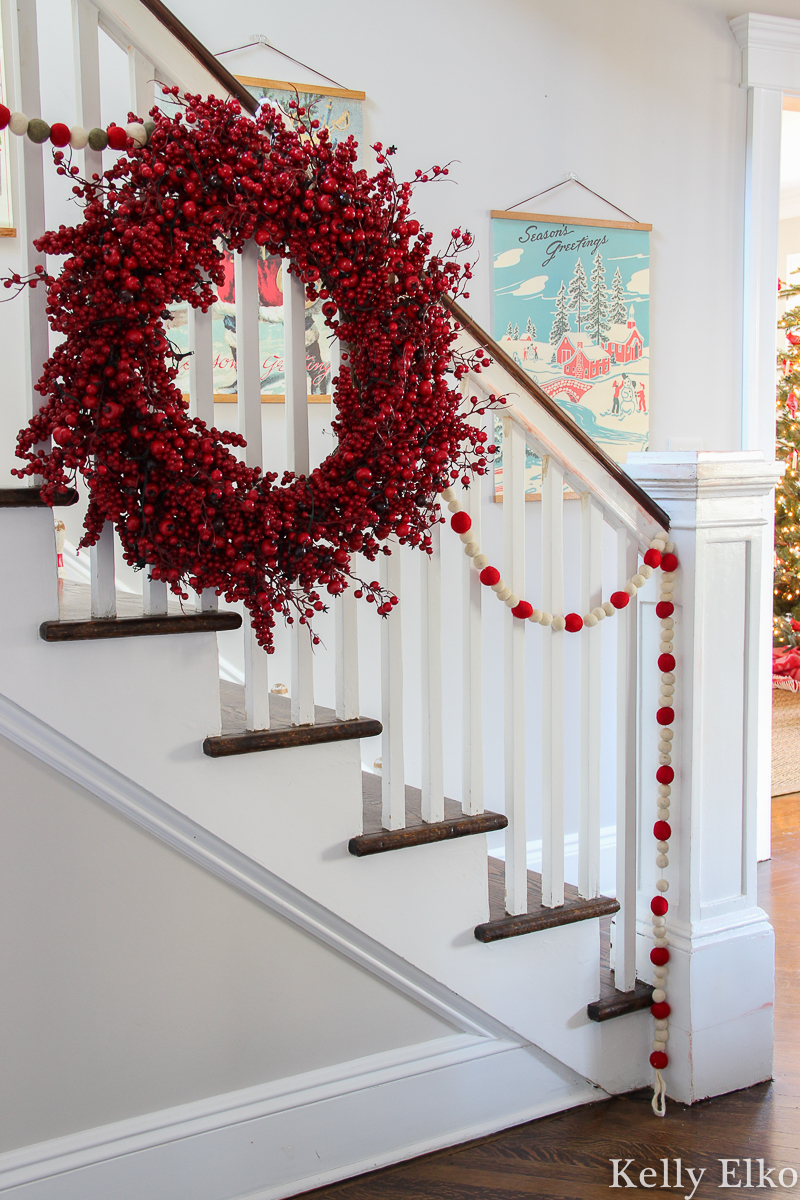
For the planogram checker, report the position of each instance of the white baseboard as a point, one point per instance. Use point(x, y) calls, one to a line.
point(285, 1137)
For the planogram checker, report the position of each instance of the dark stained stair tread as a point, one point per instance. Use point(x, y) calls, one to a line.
point(237, 739)
point(30, 497)
point(613, 1003)
point(76, 623)
point(501, 925)
point(377, 840)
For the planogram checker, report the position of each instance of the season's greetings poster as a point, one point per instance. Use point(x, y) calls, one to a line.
point(571, 307)
point(340, 112)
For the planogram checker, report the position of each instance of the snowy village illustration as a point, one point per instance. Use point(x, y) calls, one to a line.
point(571, 307)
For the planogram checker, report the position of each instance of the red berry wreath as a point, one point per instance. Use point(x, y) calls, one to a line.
point(154, 231)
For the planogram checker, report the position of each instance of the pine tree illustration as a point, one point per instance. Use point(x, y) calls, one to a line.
point(578, 293)
point(530, 330)
point(509, 331)
point(516, 333)
point(561, 324)
point(617, 309)
point(597, 313)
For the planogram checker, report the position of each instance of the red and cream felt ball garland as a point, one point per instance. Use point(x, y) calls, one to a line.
point(661, 554)
point(154, 232)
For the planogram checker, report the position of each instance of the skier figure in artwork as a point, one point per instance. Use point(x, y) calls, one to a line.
point(617, 386)
point(640, 398)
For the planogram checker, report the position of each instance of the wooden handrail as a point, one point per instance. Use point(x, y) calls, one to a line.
point(556, 412)
point(202, 54)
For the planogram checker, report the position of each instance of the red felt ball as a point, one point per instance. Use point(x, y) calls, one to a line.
point(665, 716)
point(490, 576)
point(666, 662)
point(659, 906)
point(573, 623)
point(117, 137)
point(653, 558)
point(662, 831)
point(669, 562)
point(5, 116)
point(522, 610)
point(658, 1059)
point(461, 522)
point(59, 134)
point(665, 774)
point(660, 1011)
point(665, 608)
point(619, 599)
point(659, 956)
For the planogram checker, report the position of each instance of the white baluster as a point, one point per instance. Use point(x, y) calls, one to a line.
point(432, 733)
point(591, 657)
point(625, 936)
point(87, 77)
point(248, 386)
point(393, 787)
point(201, 365)
point(142, 81)
point(294, 360)
point(154, 596)
point(101, 566)
point(514, 669)
point(346, 607)
point(552, 685)
point(30, 176)
point(472, 682)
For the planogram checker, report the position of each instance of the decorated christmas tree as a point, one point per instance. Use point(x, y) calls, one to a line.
point(786, 611)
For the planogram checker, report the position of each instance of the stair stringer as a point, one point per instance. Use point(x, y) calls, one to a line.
point(143, 706)
point(340, 1120)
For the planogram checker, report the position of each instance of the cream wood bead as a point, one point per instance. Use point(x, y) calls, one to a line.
point(662, 861)
point(645, 571)
point(660, 1023)
point(660, 975)
point(658, 922)
point(659, 1046)
point(664, 746)
point(590, 620)
point(670, 547)
point(536, 616)
point(667, 647)
point(498, 587)
point(454, 506)
point(78, 137)
point(630, 588)
point(466, 537)
point(504, 594)
point(667, 677)
point(659, 996)
point(664, 1034)
point(558, 623)
point(667, 577)
point(666, 635)
point(658, 543)
point(638, 580)
point(480, 561)
point(663, 847)
point(664, 789)
point(449, 494)
point(667, 622)
point(599, 612)
point(137, 131)
point(667, 734)
point(660, 942)
point(664, 760)
point(546, 618)
point(667, 689)
point(608, 608)
point(512, 600)
point(471, 549)
point(662, 885)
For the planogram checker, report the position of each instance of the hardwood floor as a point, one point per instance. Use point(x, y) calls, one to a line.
point(568, 1155)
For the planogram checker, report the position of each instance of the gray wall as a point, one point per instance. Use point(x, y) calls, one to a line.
point(132, 980)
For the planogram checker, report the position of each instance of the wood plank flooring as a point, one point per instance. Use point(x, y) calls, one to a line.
point(567, 1156)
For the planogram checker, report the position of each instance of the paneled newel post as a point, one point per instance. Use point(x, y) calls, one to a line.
point(721, 969)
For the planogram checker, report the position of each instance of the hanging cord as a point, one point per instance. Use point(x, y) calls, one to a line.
point(659, 1101)
point(571, 178)
point(261, 40)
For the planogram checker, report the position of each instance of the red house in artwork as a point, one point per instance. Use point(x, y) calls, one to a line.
point(580, 358)
point(624, 342)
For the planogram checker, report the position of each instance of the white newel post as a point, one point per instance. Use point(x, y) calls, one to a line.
point(721, 971)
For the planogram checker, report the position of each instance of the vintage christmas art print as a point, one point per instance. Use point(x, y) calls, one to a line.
point(340, 112)
point(571, 307)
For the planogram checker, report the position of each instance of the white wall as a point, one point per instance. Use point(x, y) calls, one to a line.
point(132, 980)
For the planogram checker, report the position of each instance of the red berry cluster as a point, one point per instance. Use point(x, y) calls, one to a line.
point(155, 227)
